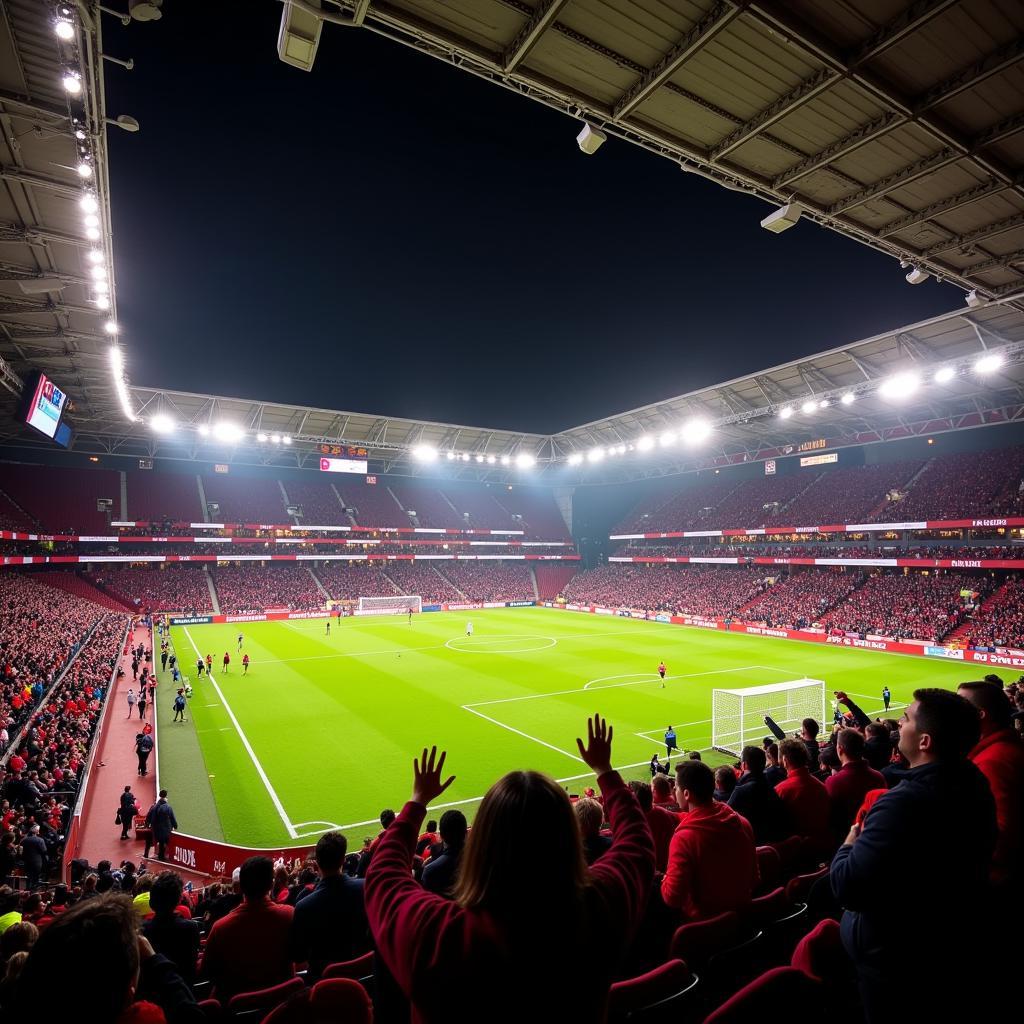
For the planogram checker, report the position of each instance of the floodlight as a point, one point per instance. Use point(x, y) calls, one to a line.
point(102, 302)
point(901, 385)
point(785, 412)
point(479, 458)
point(286, 439)
point(524, 460)
point(275, 438)
point(299, 35)
point(88, 203)
point(590, 139)
point(945, 375)
point(90, 220)
point(667, 438)
point(783, 218)
point(645, 444)
point(464, 456)
point(424, 453)
point(595, 455)
point(823, 404)
point(100, 287)
point(491, 460)
point(973, 299)
point(575, 459)
point(808, 407)
point(162, 423)
point(450, 456)
point(262, 438)
point(110, 327)
point(98, 272)
point(849, 398)
point(506, 460)
point(95, 256)
point(64, 29)
point(72, 83)
point(204, 430)
point(917, 276)
point(230, 432)
point(84, 170)
point(93, 234)
point(696, 430)
point(988, 363)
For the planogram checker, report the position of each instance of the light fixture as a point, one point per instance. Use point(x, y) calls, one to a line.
point(849, 398)
point(575, 459)
point(286, 439)
point(917, 276)
point(595, 455)
point(900, 385)
point(464, 456)
point(696, 430)
point(645, 444)
point(90, 220)
point(88, 203)
point(783, 218)
point(85, 170)
point(945, 375)
point(72, 83)
point(823, 404)
point(450, 456)
point(64, 29)
point(229, 432)
point(204, 430)
point(110, 327)
point(262, 438)
point(93, 234)
point(973, 299)
point(101, 287)
point(491, 460)
point(102, 302)
point(99, 273)
point(590, 139)
point(506, 460)
point(275, 438)
point(808, 407)
point(162, 423)
point(667, 438)
point(117, 367)
point(424, 453)
point(479, 458)
point(524, 460)
point(95, 256)
point(785, 412)
point(80, 135)
point(989, 363)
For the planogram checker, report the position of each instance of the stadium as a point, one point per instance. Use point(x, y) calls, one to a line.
point(713, 705)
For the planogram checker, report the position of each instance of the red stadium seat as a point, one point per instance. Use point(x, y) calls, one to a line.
point(798, 889)
point(769, 866)
point(265, 999)
point(767, 994)
point(338, 1000)
point(360, 968)
point(765, 909)
point(658, 992)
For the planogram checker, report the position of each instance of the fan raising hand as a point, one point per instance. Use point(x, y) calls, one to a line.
point(597, 755)
point(426, 776)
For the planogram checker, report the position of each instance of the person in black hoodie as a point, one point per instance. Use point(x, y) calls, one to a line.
point(755, 799)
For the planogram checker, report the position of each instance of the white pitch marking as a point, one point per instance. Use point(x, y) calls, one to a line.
point(248, 746)
point(525, 735)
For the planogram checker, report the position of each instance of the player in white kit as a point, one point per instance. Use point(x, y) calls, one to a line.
point(469, 629)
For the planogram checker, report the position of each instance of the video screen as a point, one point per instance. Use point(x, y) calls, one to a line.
point(46, 405)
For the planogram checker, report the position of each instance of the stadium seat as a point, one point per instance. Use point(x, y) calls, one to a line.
point(664, 990)
point(799, 888)
point(792, 855)
point(769, 867)
point(253, 1005)
point(359, 969)
point(338, 1000)
point(763, 910)
point(820, 953)
point(765, 995)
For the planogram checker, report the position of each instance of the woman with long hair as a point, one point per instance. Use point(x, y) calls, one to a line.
point(532, 930)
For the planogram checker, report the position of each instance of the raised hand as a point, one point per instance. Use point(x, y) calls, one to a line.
point(426, 776)
point(597, 754)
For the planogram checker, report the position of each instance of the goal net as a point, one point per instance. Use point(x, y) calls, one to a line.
point(737, 716)
point(389, 605)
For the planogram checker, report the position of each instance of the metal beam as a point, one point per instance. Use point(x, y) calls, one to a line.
point(996, 263)
point(536, 25)
point(891, 182)
point(986, 188)
point(693, 42)
point(39, 181)
point(1007, 224)
point(35, 235)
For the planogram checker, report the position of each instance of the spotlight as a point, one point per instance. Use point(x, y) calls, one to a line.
point(262, 438)
point(424, 453)
point(575, 459)
point(808, 407)
point(88, 203)
point(93, 234)
point(102, 302)
point(989, 363)
point(917, 276)
point(667, 438)
point(85, 170)
point(645, 444)
point(204, 430)
point(849, 398)
point(95, 256)
point(595, 455)
point(823, 404)
point(286, 439)
point(90, 220)
point(80, 135)
point(945, 375)
point(590, 139)
point(491, 460)
point(162, 423)
point(72, 83)
point(506, 461)
point(902, 385)
point(695, 431)
point(99, 273)
point(973, 299)
point(100, 287)
point(229, 432)
point(785, 412)
point(275, 438)
point(110, 327)
point(464, 456)
point(479, 458)
point(783, 218)
point(450, 456)
point(524, 460)
point(64, 29)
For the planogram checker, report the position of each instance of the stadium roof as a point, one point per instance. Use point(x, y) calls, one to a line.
point(899, 126)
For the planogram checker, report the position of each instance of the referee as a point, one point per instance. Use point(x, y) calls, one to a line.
point(670, 742)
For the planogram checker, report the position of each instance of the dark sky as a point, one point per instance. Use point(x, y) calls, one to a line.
point(388, 234)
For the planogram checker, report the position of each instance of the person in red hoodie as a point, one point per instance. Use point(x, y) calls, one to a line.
point(712, 863)
point(662, 823)
point(805, 797)
point(525, 920)
point(999, 756)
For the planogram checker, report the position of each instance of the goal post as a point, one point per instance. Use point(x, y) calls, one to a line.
point(737, 716)
point(389, 605)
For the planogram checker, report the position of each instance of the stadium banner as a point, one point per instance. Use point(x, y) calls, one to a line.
point(348, 556)
point(125, 538)
point(207, 857)
point(432, 608)
point(1007, 660)
point(955, 653)
point(194, 620)
point(909, 563)
point(520, 604)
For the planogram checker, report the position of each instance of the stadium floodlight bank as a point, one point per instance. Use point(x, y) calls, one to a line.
point(390, 605)
point(737, 716)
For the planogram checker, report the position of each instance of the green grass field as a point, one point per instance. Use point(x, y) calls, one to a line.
point(322, 731)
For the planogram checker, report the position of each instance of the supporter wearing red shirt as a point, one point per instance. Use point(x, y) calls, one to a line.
point(661, 822)
point(519, 927)
point(848, 786)
point(999, 756)
point(712, 864)
point(661, 791)
point(805, 797)
point(248, 949)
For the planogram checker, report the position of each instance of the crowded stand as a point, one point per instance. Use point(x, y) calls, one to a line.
point(243, 499)
point(748, 549)
point(914, 605)
point(371, 504)
point(999, 622)
point(349, 581)
point(490, 581)
point(694, 503)
point(180, 588)
point(424, 580)
point(249, 587)
point(319, 503)
point(162, 498)
point(802, 598)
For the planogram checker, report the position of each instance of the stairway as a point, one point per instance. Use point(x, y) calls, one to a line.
point(214, 600)
point(319, 586)
point(958, 637)
point(903, 488)
point(80, 587)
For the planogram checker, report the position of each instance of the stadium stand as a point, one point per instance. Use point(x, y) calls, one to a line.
point(476, 509)
point(1000, 620)
point(374, 504)
point(424, 580)
point(490, 581)
point(694, 504)
point(346, 581)
point(320, 504)
point(171, 588)
point(163, 497)
point(802, 598)
point(251, 588)
point(12, 517)
point(538, 514)
point(245, 499)
point(553, 578)
point(32, 487)
point(430, 505)
point(79, 586)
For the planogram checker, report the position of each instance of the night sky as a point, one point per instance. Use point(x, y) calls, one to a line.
point(388, 234)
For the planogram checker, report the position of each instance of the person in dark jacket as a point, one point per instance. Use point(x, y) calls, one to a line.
point(161, 821)
point(329, 923)
point(440, 873)
point(512, 940)
point(127, 811)
point(34, 853)
point(809, 729)
point(934, 834)
point(774, 773)
point(169, 934)
point(878, 748)
point(755, 799)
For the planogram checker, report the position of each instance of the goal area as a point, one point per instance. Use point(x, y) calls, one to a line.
point(389, 605)
point(737, 716)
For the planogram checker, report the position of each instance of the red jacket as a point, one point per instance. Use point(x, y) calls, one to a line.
point(712, 866)
point(466, 965)
point(1000, 758)
point(846, 791)
point(807, 803)
point(248, 949)
point(663, 825)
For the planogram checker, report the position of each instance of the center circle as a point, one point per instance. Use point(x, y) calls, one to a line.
point(500, 644)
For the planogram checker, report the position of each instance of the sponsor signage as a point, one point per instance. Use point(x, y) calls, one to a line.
point(221, 467)
point(769, 467)
point(944, 652)
point(343, 466)
point(519, 604)
point(819, 460)
point(810, 446)
point(192, 620)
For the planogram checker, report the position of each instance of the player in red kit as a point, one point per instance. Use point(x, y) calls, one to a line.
point(245, 664)
point(227, 660)
point(661, 672)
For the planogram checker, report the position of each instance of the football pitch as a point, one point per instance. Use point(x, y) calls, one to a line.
point(322, 731)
